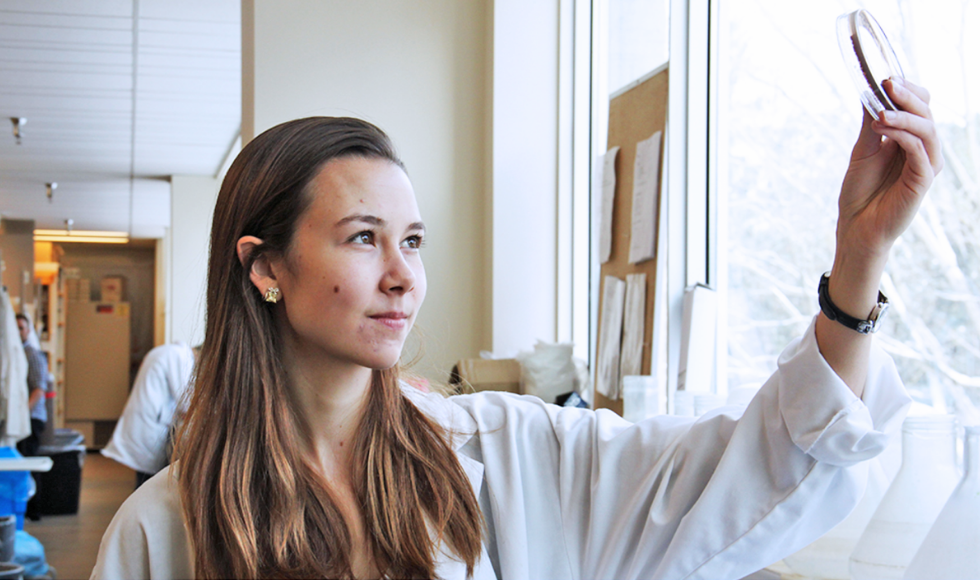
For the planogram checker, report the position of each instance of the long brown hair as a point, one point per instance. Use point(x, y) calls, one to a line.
point(253, 499)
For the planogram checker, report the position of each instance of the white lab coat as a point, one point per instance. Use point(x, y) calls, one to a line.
point(571, 493)
point(139, 440)
point(14, 412)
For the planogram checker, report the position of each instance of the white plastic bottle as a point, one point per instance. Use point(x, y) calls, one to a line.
point(952, 547)
point(827, 558)
point(913, 501)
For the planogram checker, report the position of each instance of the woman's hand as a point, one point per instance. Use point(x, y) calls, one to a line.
point(892, 166)
point(888, 177)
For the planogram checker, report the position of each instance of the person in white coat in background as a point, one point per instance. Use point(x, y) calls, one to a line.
point(302, 454)
point(141, 438)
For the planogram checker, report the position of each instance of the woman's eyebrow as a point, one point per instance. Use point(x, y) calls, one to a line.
point(368, 219)
point(376, 221)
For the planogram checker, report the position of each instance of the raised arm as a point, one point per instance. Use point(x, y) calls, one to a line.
point(892, 166)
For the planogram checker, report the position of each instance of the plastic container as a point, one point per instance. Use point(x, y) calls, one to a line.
point(869, 57)
point(15, 488)
point(827, 558)
point(8, 529)
point(639, 397)
point(952, 547)
point(704, 402)
point(684, 404)
point(913, 501)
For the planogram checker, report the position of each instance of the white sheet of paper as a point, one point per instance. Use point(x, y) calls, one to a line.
point(634, 320)
point(606, 210)
point(697, 360)
point(610, 334)
point(646, 185)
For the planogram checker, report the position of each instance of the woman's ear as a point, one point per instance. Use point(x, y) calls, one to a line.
point(261, 274)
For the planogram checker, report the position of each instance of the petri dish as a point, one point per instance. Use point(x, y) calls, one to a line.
point(869, 57)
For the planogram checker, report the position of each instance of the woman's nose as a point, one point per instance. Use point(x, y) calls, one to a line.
point(399, 277)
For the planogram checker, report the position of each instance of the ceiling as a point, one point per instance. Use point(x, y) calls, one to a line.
point(118, 95)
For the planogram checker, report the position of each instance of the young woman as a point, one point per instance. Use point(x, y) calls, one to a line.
point(302, 455)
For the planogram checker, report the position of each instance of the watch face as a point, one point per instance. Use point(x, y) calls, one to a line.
point(882, 310)
point(874, 321)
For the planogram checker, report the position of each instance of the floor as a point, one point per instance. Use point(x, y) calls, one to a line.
point(72, 542)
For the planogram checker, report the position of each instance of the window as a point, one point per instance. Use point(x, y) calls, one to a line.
point(638, 39)
point(787, 118)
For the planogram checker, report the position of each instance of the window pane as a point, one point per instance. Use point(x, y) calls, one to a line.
point(788, 116)
point(638, 40)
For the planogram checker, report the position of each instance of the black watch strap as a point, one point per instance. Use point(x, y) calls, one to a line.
point(830, 310)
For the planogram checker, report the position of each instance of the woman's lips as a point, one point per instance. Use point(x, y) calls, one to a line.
point(393, 320)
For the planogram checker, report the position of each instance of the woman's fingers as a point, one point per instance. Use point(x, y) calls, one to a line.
point(918, 91)
point(909, 97)
point(919, 165)
point(919, 127)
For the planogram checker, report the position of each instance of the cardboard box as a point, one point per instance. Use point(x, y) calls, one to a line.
point(487, 375)
point(112, 289)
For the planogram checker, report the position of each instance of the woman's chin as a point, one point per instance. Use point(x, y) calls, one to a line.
point(381, 361)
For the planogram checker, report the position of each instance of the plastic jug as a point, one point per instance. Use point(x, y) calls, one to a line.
point(952, 547)
point(913, 501)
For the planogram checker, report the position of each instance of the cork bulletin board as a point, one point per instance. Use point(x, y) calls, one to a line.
point(634, 115)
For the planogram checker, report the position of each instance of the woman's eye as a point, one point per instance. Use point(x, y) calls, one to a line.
point(363, 238)
point(413, 242)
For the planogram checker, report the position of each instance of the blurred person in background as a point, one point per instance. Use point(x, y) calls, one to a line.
point(141, 439)
point(37, 386)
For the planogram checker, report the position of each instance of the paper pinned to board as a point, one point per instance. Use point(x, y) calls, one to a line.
point(634, 319)
point(610, 335)
point(646, 186)
point(606, 207)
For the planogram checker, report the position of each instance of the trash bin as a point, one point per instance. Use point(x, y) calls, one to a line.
point(60, 489)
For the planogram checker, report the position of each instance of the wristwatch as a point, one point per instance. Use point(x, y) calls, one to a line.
point(831, 311)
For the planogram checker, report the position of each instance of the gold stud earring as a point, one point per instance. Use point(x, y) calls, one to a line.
point(272, 294)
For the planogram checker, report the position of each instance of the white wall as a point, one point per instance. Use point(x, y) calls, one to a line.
point(191, 206)
point(525, 173)
point(419, 70)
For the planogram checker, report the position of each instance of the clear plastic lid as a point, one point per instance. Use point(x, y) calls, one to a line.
point(869, 57)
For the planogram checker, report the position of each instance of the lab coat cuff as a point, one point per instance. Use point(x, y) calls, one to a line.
point(825, 418)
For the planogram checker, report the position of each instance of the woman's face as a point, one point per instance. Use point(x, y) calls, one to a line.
point(352, 281)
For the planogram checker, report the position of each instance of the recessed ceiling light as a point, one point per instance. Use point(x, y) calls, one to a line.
point(17, 122)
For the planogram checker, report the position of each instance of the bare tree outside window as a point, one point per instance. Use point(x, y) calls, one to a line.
point(788, 117)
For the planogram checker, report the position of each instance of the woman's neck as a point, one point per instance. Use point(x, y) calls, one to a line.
point(330, 396)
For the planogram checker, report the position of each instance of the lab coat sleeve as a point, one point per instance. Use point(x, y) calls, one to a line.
point(669, 497)
point(139, 439)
